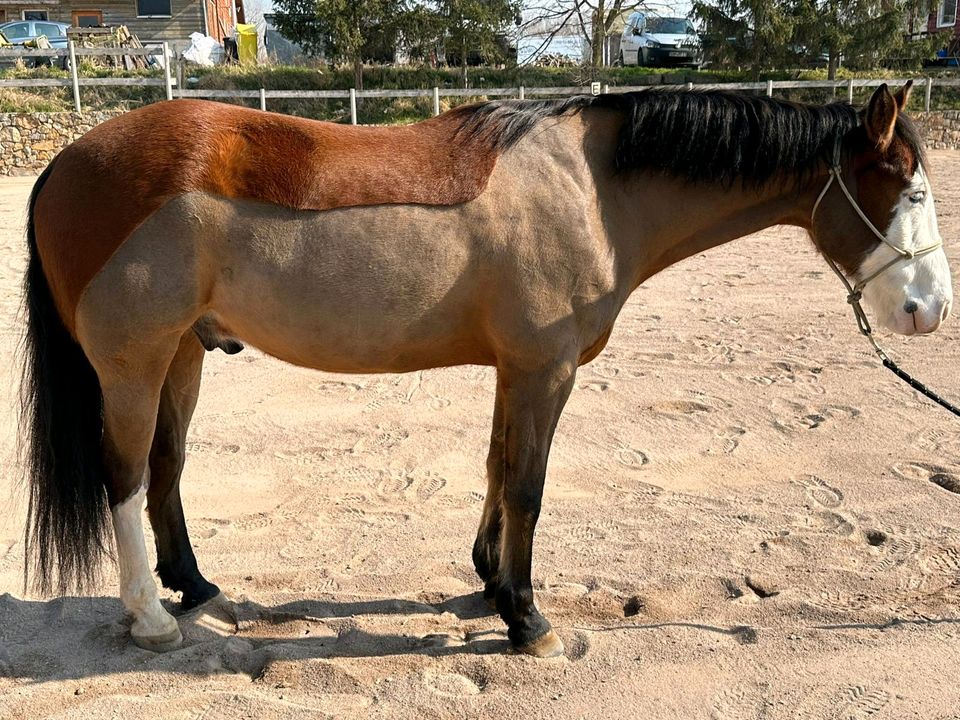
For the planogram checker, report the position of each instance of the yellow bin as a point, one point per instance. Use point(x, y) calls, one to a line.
point(247, 43)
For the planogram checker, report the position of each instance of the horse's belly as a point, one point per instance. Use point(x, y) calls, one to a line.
point(363, 290)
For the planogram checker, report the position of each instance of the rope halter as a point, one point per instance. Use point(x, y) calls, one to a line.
point(855, 291)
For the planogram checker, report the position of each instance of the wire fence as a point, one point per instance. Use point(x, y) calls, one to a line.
point(175, 89)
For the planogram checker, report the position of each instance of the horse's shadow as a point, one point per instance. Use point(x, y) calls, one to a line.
point(82, 637)
point(78, 637)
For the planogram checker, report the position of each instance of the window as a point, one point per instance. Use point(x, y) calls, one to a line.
point(947, 16)
point(17, 31)
point(154, 8)
point(670, 26)
point(51, 30)
point(87, 18)
point(35, 15)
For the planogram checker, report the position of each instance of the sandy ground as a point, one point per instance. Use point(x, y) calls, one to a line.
point(745, 518)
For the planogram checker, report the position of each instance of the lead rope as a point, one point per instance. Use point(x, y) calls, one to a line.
point(853, 297)
point(855, 292)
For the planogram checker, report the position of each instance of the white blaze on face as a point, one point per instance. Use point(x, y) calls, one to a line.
point(912, 296)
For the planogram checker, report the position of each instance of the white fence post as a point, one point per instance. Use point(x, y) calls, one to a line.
point(606, 89)
point(522, 95)
point(263, 99)
point(927, 92)
point(74, 76)
point(769, 88)
point(689, 86)
point(167, 74)
point(436, 101)
point(353, 106)
point(850, 91)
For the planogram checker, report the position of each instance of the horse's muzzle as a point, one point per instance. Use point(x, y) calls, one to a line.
point(921, 318)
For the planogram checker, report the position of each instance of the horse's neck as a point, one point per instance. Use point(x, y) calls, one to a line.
point(658, 221)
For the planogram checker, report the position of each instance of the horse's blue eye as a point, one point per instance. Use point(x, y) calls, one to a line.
point(917, 197)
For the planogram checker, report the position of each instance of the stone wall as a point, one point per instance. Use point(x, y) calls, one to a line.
point(28, 141)
point(941, 130)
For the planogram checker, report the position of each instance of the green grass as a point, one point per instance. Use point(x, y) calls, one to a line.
point(17, 100)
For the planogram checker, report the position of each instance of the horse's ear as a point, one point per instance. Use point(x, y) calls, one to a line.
point(902, 95)
point(881, 118)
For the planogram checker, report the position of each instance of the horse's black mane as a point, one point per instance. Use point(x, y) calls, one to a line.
point(704, 135)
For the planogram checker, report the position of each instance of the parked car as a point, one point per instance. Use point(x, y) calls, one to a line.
point(660, 41)
point(19, 32)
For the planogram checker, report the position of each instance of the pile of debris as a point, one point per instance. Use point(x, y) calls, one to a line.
point(110, 37)
point(555, 60)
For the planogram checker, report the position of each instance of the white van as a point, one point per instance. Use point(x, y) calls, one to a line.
point(660, 42)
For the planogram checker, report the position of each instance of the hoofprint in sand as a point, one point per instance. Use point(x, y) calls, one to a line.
point(745, 517)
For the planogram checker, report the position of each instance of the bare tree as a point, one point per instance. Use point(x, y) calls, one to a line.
point(254, 10)
point(593, 19)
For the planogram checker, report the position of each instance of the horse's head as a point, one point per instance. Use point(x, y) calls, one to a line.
point(876, 220)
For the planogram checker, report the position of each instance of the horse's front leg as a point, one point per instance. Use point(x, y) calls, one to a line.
point(532, 405)
point(486, 549)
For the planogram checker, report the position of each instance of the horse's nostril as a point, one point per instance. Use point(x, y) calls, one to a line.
point(910, 307)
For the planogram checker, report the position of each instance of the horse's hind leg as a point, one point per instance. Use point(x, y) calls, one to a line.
point(486, 549)
point(131, 379)
point(176, 563)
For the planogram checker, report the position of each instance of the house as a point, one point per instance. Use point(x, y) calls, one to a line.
point(149, 20)
point(941, 19)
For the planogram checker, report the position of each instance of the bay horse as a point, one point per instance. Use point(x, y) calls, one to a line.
point(505, 233)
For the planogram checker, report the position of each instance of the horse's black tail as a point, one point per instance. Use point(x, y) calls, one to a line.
point(61, 425)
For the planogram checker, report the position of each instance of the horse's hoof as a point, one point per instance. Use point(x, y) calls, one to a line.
point(548, 645)
point(191, 600)
point(159, 643)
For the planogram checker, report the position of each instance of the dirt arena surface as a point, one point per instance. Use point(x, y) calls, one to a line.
point(745, 517)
